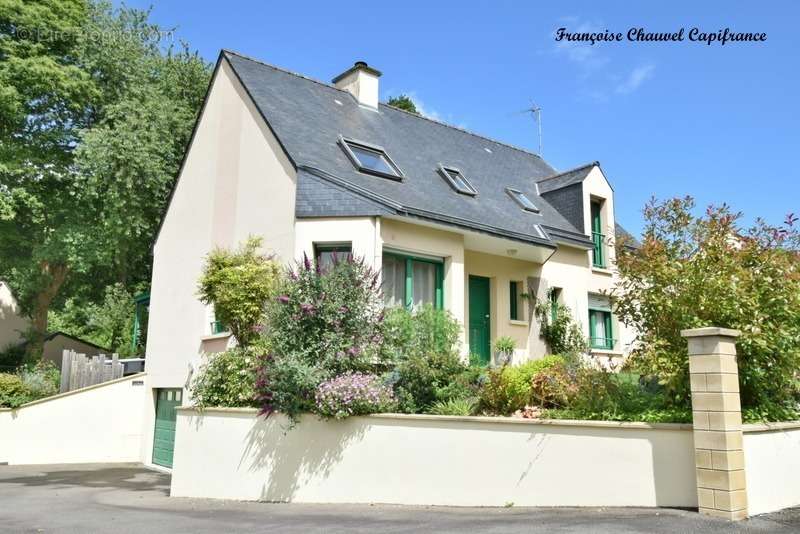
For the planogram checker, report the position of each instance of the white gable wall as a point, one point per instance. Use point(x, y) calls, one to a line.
point(236, 182)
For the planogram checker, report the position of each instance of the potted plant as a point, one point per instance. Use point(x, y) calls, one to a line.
point(504, 350)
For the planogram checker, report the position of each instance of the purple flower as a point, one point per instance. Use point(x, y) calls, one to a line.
point(283, 299)
point(307, 308)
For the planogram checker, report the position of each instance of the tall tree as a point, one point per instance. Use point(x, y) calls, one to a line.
point(94, 114)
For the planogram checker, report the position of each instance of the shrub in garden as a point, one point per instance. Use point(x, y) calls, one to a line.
point(424, 331)
point(558, 327)
point(353, 394)
point(455, 406)
point(602, 394)
point(227, 379)
point(320, 324)
point(693, 271)
point(423, 379)
point(40, 380)
point(239, 283)
point(423, 344)
point(509, 388)
point(13, 392)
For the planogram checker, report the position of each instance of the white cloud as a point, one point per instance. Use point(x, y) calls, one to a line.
point(585, 55)
point(636, 78)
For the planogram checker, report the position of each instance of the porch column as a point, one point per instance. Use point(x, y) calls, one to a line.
point(717, 417)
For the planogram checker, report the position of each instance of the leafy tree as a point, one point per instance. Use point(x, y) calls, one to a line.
point(709, 271)
point(93, 119)
point(238, 284)
point(108, 323)
point(403, 102)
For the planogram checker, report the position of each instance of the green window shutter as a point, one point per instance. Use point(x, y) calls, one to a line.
point(439, 304)
point(609, 341)
point(513, 312)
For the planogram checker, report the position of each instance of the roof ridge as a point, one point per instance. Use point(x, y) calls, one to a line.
point(562, 173)
point(417, 115)
point(464, 130)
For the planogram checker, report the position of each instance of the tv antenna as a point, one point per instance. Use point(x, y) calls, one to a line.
point(536, 112)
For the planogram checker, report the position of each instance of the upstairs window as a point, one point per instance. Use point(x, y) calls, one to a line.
point(598, 239)
point(371, 159)
point(522, 199)
point(457, 180)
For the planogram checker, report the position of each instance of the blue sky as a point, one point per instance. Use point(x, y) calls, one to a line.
point(717, 122)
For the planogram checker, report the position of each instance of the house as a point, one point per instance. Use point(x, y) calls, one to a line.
point(451, 218)
point(13, 325)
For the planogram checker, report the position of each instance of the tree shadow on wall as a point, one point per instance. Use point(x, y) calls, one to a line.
point(291, 457)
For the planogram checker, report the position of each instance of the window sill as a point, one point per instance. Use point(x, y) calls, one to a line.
point(603, 270)
point(211, 337)
point(607, 352)
point(518, 323)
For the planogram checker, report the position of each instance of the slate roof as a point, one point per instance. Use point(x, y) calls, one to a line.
point(308, 117)
point(566, 178)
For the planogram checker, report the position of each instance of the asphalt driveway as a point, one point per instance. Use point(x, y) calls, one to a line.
point(131, 498)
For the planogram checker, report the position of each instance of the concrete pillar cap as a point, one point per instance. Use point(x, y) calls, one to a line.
point(710, 331)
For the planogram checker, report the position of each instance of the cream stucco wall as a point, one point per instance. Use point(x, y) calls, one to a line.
point(772, 466)
point(363, 234)
point(501, 271)
point(236, 182)
point(12, 324)
point(101, 423)
point(432, 460)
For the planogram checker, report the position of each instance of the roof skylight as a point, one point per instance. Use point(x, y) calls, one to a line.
point(523, 201)
point(371, 159)
point(457, 180)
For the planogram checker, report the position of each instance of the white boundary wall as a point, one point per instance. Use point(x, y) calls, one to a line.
point(433, 460)
point(772, 464)
point(101, 423)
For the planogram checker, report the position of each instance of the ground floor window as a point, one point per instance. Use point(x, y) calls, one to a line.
point(326, 254)
point(601, 335)
point(411, 282)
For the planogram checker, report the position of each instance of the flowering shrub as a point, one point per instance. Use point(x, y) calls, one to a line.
point(227, 379)
point(323, 323)
point(353, 394)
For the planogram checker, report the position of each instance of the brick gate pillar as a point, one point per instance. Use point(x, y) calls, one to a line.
point(717, 418)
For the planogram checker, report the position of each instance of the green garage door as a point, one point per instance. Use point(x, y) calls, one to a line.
point(164, 437)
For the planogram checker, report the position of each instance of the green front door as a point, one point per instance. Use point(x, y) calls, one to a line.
point(164, 437)
point(479, 336)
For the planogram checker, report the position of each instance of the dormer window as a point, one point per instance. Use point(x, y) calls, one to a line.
point(457, 180)
point(521, 199)
point(371, 159)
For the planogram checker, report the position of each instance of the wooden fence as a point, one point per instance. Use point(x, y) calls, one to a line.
point(80, 371)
